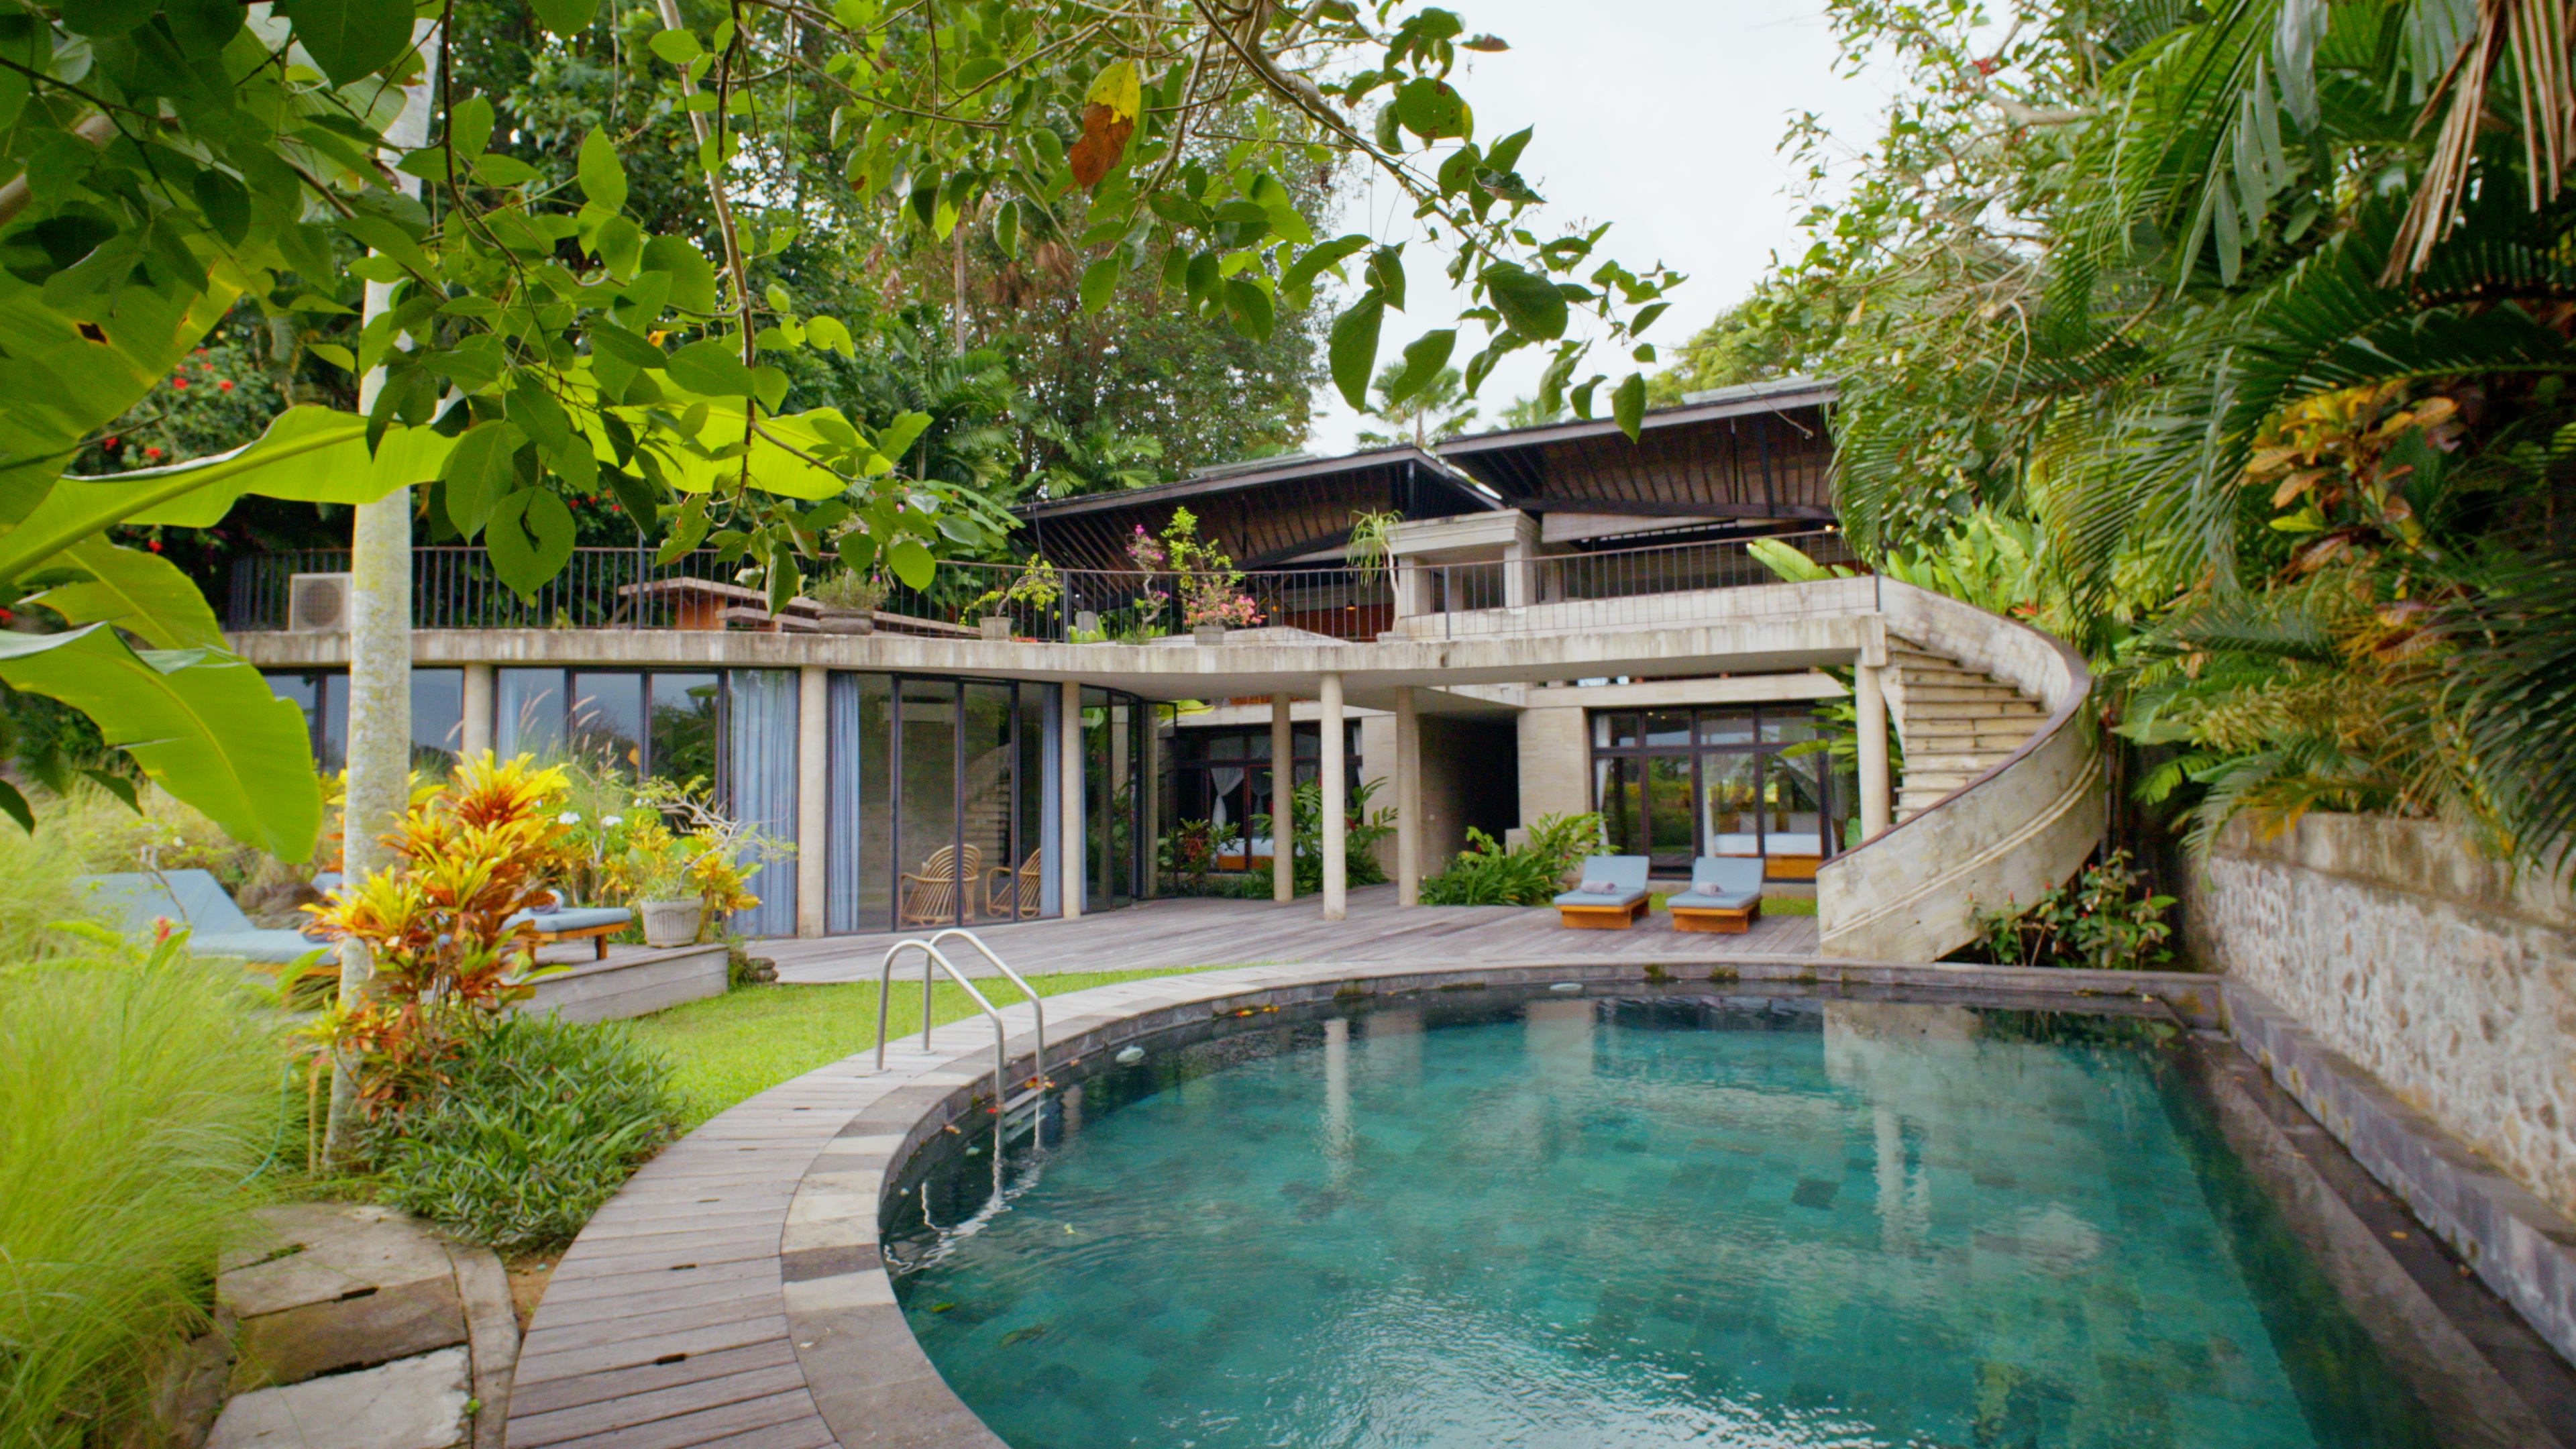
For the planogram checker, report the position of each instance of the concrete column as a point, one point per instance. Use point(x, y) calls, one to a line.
point(1283, 782)
point(1869, 701)
point(1068, 855)
point(476, 736)
point(1149, 785)
point(1337, 805)
point(813, 796)
point(1519, 576)
point(1408, 797)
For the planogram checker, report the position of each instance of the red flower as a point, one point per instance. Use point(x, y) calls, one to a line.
point(226, 385)
point(152, 452)
point(111, 444)
point(154, 545)
point(178, 382)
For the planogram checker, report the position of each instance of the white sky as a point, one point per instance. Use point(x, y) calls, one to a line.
point(1662, 117)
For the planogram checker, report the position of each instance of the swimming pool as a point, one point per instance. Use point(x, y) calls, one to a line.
point(1639, 1221)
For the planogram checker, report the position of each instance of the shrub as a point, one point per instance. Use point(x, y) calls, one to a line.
point(1487, 874)
point(534, 1123)
point(1361, 831)
point(138, 1097)
point(2103, 919)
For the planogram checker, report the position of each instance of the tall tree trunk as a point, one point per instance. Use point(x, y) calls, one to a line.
point(378, 791)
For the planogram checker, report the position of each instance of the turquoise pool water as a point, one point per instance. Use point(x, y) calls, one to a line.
point(1611, 1224)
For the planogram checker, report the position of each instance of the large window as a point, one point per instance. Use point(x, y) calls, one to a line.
point(637, 722)
point(938, 802)
point(437, 714)
point(1223, 776)
point(1677, 783)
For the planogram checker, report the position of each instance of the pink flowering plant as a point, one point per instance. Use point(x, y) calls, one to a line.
point(1211, 586)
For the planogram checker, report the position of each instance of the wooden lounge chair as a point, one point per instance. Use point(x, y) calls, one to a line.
point(930, 895)
point(1614, 909)
point(1013, 894)
point(1725, 895)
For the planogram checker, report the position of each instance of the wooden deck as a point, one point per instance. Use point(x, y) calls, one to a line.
point(1201, 932)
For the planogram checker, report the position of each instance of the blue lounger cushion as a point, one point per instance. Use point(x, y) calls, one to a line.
point(579, 918)
point(132, 900)
point(1721, 883)
point(1627, 872)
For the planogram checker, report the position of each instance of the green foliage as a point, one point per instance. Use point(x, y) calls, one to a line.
point(2169, 321)
point(1428, 409)
point(1187, 854)
point(1486, 874)
point(138, 1101)
point(1360, 835)
point(2104, 920)
point(534, 1124)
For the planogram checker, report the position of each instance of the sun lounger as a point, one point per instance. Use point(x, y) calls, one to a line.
point(1725, 896)
point(133, 900)
point(1611, 898)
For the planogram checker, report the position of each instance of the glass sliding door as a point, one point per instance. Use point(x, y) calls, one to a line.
point(988, 820)
point(1718, 781)
point(1113, 738)
point(858, 870)
point(934, 873)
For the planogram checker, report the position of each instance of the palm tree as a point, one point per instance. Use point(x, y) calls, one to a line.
point(1440, 411)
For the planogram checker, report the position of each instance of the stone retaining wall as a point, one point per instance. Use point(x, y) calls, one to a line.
point(2399, 946)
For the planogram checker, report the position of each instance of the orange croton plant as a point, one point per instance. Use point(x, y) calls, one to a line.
point(472, 854)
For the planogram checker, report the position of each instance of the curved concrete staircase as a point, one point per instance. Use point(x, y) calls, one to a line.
point(2001, 795)
point(1956, 722)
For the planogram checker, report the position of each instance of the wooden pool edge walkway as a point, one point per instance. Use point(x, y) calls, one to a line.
point(1176, 933)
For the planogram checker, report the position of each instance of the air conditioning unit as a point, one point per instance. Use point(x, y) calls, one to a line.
point(317, 603)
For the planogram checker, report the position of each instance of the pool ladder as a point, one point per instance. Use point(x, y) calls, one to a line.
point(1009, 1110)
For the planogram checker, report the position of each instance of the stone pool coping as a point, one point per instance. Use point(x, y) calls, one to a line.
point(733, 1293)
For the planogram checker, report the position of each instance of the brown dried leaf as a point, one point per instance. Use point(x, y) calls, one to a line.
point(1104, 140)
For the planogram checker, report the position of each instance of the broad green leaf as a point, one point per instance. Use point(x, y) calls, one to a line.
point(693, 277)
point(1297, 284)
point(712, 366)
point(565, 17)
point(529, 538)
point(1253, 315)
point(679, 47)
point(71, 369)
point(1353, 348)
point(1424, 356)
point(911, 563)
point(308, 455)
point(105, 18)
point(203, 725)
point(138, 592)
point(1531, 305)
point(1628, 404)
point(898, 435)
point(479, 474)
point(469, 126)
point(1100, 284)
point(1118, 88)
point(226, 203)
point(1386, 273)
point(16, 806)
point(603, 176)
point(350, 39)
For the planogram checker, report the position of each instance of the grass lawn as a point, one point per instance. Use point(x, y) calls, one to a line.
point(730, 1047)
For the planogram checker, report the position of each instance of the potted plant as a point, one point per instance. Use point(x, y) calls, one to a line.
point(655, 871)
point(849, 601)
point(1036, 587)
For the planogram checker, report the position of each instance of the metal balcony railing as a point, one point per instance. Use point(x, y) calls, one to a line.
point(620, 588)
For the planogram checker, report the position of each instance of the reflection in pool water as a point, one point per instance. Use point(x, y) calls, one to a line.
point(1597, 1223)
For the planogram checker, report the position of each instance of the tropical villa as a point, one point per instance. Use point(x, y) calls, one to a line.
point(1590, 612)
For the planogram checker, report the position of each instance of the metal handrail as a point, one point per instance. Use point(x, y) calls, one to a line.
point(1037, 1064)
point(929, 954)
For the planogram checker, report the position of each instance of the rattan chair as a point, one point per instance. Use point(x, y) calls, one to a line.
point(1013, 894)
point(930, 895)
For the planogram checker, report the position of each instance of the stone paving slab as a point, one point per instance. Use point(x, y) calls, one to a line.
point(411, 1403)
